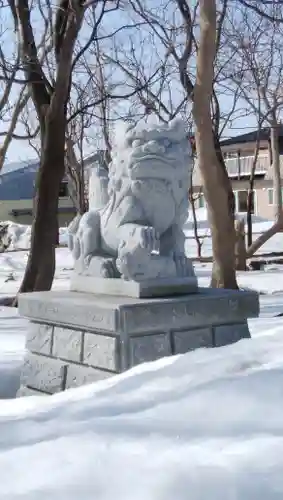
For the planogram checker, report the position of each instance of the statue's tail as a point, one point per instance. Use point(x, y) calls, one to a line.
point(72, 230)
point(98, 199)
point(98, 188)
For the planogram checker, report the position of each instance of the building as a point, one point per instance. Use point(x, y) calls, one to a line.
point(17, 189)
point(238, 154)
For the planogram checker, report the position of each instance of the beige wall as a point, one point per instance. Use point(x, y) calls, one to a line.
point(262, 206)
point(7, 206)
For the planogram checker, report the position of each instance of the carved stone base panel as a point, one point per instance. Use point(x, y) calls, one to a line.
point(77, 338)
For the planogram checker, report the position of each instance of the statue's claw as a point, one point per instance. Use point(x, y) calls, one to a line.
point(183, 265)
point(149, 238)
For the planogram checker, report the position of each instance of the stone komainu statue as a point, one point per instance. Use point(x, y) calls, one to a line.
point(137, 233)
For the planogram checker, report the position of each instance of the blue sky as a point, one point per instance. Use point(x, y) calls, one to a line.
point(21, 150)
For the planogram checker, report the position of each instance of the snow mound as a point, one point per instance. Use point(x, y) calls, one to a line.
point(12, 348)
point(259, 223)
point(19, 235)
point(204, 426)
point(259, 226)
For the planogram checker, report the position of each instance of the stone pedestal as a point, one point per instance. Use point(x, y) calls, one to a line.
point(138, 290)
point(77, 338)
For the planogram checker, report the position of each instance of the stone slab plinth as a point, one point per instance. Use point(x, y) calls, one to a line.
point(162, 287)
point(77, 338)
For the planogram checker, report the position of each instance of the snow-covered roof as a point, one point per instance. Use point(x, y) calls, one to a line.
point(17, 180)
point(19, 165)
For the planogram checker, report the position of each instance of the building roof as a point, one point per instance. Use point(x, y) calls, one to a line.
point(250, 137)
point(18, 165)
point(17, 179)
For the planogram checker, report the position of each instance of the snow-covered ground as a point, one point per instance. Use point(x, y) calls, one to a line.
point(275, 244)
point(12, 266)
point(20, 235)
point(201, 426)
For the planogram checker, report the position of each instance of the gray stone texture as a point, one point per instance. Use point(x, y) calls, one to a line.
point(120, 315)
point(78, 375)
point(39, 338)
point(159, 287)
point(101, 351)
point(67, 344)
point(228, 334)
point(145, 197)
point(149, 348)
point(187, 340)
point(43, 373)
point(84, 338)
point(26, 391)
point(69, 309)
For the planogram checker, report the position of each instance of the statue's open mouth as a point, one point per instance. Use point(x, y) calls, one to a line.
point(155, 167)
point(145, 157)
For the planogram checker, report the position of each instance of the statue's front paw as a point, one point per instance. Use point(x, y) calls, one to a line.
point(149, 238)
point(183, 265)
point(133, 260)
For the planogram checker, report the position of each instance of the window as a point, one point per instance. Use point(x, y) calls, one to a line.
point(201, 201)
point(231, 154)
point(63, 193)
point(241, 201)
point(270, 194)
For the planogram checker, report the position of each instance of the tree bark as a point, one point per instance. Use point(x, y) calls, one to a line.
point(278, 224)
point(217, 187)
point(249, 212)
point(51, 106)
point(240, 248)
point(264, 237)
point(195, 222)
point(250, 193)
point(75, 171)
point(41, 263)
point(274, 140)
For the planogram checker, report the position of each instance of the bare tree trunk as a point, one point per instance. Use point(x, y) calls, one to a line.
point(278, 224)
point(263, 238)
point(250, 192)
point(274, 139)
point(76, 177)
point(41, 263)
point(195, 223)
point(249, 211)
point(240, 247)
point(217, 186)
point(51, 107)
